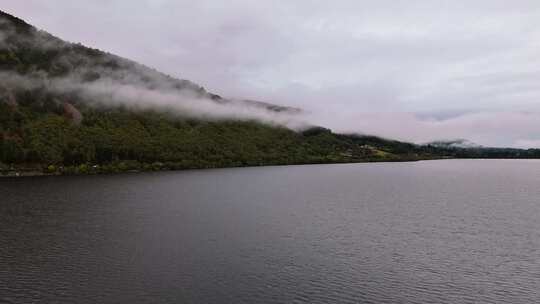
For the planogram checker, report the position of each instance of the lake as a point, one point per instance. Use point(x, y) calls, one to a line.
point(448, 231)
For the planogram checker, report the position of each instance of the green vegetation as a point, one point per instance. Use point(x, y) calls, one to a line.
point(50, 127)
point(45, 129)
point(116, 140)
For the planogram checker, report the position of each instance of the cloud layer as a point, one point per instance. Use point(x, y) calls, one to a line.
point(413, 70)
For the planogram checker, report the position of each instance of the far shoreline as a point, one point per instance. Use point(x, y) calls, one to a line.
point(15, 172)
point(22, 173)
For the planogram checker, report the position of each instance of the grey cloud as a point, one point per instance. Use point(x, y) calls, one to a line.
point(362, 66)
point(511, 129)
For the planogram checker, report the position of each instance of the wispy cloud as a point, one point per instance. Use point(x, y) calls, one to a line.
point(364, 59)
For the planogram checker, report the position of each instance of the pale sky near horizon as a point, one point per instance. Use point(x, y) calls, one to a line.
point(411, 70)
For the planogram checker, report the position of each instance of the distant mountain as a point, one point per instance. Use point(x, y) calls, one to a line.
point(67, 108)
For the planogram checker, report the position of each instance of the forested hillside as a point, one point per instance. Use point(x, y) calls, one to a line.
point(50, 121)
point(66, 108)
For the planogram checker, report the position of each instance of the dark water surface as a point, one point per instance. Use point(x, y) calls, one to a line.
point(456, 231)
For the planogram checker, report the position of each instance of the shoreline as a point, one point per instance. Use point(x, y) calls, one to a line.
point(20, 172)
point(34, 172)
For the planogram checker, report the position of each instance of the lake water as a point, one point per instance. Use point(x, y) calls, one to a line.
point(452, 231)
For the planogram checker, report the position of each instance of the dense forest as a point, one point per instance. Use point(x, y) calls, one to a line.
point(66, 108)
point(118, 140)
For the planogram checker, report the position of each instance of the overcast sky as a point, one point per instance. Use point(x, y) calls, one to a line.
point(405, 69)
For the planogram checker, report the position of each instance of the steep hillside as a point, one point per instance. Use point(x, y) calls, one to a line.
point(67, 108)
point(44, 61)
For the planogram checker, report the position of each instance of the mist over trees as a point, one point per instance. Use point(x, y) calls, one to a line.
point(66, 107)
